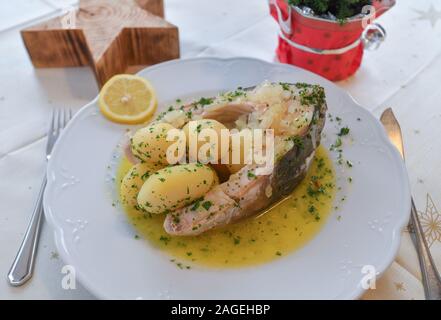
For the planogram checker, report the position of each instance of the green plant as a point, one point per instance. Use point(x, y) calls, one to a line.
point(342, 9)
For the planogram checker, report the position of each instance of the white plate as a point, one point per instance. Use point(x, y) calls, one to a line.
point(96, 239)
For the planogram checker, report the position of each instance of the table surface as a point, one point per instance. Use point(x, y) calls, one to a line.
point(403, 74)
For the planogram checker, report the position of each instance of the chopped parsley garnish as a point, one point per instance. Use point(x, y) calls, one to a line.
point(315, 192)
point(204, 101)
point(145, 176)
point(298, 142)
point(207, 205)
point(164, 239)
point(343, 131)
point(234, 94)
point(196, 204)
point(251, 175)
point(285, 86)
point(337, 144)
point(320, 163)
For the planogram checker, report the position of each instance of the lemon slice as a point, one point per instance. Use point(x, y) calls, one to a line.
point(128, 99)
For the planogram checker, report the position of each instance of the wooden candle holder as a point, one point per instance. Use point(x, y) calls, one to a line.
point(111, 36)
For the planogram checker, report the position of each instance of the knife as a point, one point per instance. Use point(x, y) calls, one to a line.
point(430, 276)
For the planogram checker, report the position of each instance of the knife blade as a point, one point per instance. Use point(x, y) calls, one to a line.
point(430, 276)
point(393, 129)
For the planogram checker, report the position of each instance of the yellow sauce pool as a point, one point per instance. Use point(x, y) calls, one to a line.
point(255, 240)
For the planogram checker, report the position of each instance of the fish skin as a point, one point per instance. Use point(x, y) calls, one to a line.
point(250, 198)
point(284, 180)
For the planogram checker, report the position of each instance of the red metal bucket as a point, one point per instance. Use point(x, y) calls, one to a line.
point(329, 48)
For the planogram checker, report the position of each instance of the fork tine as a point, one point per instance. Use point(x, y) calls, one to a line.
point(60, 118)
point(66, 117)
point(52, 126)
point(60, 121)
point(58, 125)
point(50, 135)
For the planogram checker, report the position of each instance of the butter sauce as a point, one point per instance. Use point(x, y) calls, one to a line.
point(254, 240)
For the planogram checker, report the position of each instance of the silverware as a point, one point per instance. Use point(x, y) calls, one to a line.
point(22, 267)
point(430, 276)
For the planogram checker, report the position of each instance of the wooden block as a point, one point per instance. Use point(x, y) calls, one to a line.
point(153, 6)
point(111, 36)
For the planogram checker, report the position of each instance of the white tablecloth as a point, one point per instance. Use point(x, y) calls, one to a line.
point(404, 74)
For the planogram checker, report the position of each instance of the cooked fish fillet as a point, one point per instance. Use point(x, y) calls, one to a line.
point(296, 112)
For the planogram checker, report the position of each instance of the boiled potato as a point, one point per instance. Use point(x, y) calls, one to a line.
point(132, 183)
point(172, 188)
point(237, 140)
point(150, 144)
point(198, 126)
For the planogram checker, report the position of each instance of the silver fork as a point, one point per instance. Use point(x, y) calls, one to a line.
point(22, 267)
